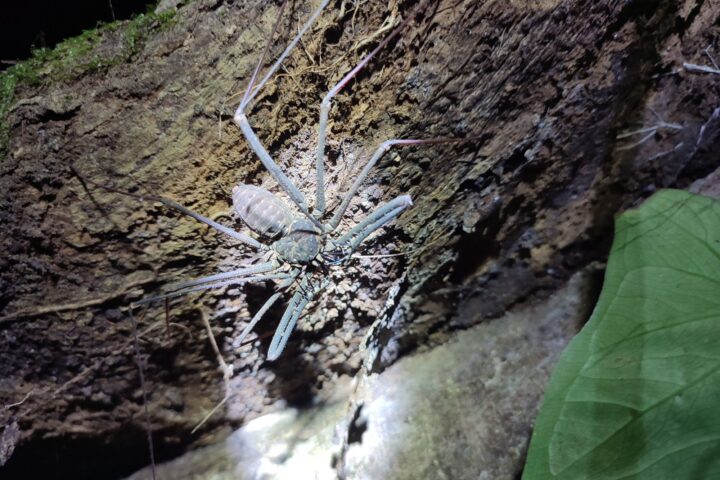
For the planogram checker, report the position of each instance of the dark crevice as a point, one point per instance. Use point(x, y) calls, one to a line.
point(88, 458)
point(50, 115)
point(358, 426)
point(476, 247)
point(634, 10)
point(682, 26)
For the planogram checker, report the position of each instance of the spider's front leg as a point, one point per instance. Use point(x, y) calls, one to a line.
point(384, 147)
point(246, 239)
point(203, 284)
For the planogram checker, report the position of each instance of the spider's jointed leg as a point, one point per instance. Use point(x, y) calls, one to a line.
point(208, 286)
point(304, 294)
point(325, 111)
point(240, 272)
point(250, 93)
point(246, 239)
point(258, 316)
point(379, 218)
point(381, 222)
point(241, 121)
point(301, 248)
point(384, 147)
point(266, 306)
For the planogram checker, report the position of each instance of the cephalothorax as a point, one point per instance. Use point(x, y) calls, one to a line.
point(267, 215)
point(303, 242)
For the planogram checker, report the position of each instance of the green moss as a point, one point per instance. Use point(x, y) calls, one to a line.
point(139, 28)
point(7, 91)
point(77, 56)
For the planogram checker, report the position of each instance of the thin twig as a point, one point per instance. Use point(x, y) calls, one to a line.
point(227, 371)
point(210, 413)
point(167, 317)
point(644, 139)
point(63, 307)
point(112, 10)
point(17, 404)
point(712, 60)
point(647, 132)
point(386, 26)
point(84, 185)
point(695, 68)
point(141, 373)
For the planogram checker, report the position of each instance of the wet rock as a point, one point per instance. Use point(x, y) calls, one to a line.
point(285, 445)
point(464, 409)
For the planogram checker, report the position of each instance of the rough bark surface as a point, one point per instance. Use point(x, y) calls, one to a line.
point(548, 86)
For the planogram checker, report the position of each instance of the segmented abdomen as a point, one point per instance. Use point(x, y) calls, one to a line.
point(262, 211)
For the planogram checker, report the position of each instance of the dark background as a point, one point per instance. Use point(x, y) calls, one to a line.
point(28, 24)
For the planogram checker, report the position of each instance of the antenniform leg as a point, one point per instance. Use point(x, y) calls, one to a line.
point(233, 281)
point(240, 272)
point(241, 121)
point(325, 110)
point(246, 239)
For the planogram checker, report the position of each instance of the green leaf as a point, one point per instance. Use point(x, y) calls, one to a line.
point(636, 394)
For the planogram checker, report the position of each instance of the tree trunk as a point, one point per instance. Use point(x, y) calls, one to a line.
point(550, 92)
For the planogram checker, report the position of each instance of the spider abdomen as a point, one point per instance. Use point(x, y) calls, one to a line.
point(262, 211)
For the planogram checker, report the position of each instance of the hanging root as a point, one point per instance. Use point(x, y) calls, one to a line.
point(227, 371)
point(647, 132)
point(64, 307)
point(141, 373)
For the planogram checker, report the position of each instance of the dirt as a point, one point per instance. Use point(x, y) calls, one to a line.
point(545, 87)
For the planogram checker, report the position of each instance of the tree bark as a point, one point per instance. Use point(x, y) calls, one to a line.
point(553, 90)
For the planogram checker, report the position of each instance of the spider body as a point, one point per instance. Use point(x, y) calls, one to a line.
point(299, 239)
point(261, 211)
point(304, 243)
point(301, 245)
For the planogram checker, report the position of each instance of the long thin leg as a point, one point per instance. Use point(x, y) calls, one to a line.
point(241, 121)
point(295, 195)
point(385, 219)
point(258, 316)
point(286, 325)
point(266, 306)
point(241, 272)
point(250, 95)
point(377, 219)
point(246, 239)
point(384, 147)
point(234, 281)
point(246, 98)
point(325, 111)
point(298, 302)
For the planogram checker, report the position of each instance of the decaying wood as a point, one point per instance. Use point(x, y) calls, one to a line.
point(548, 85)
